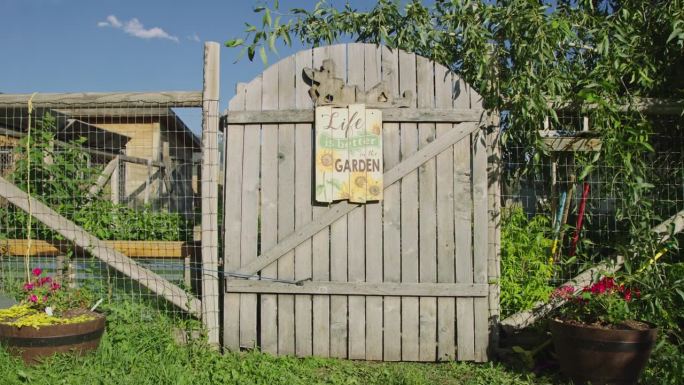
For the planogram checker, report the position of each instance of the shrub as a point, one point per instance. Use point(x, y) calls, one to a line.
point(525, 266)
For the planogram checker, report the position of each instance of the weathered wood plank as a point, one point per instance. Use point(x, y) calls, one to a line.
point(391, 218)
point(374, 307)
point(286, 192)
point(232, 227)
point(100, 250)
point(480, 243)
point(103, 177)
point(303, 209)
point(250, 213)
point(356, 224)
point(446, 307)
point(427, 215)
point(388, 289)
point(131, 249)
point(572, 143)
point(320, 245)
point(395, 115)
point(108, 99)
point(463, 206)
point(210, 170)
point(410, 309)
point(342, 208)
point(494, 171)
point(115, 184)
point(269, 210)
point(338, 244)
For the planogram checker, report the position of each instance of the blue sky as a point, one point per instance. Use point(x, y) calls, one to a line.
point(124, 45)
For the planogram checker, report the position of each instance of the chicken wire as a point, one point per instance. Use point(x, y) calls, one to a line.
point(528, 184)
point(127, 173)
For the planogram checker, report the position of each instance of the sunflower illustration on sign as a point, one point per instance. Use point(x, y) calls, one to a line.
point(348, 154)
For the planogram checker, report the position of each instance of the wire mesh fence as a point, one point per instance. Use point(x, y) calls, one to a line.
point(105, 196)
point(545, 203)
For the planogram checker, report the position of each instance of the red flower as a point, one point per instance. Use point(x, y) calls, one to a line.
point(33, 298)
point(563, 292)
point(28, 286)
point(44, 280)
point(627, 295)
point(37, 271)
point(55, 286)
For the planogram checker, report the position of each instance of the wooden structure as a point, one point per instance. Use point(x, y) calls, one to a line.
point(147, 149)
point(410, 278)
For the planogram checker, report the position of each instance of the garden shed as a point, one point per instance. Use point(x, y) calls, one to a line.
point(152, 147)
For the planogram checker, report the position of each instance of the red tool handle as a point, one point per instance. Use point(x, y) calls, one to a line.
point(580, 218)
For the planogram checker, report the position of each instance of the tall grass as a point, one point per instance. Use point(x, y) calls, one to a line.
point(138, 348)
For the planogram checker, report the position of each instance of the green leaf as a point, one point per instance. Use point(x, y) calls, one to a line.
point(234, 43)
point(262, 54)
point(267, 18)
point(271, 42)
point(587, 169)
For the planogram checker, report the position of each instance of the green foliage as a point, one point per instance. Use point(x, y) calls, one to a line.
point(138, 348)
point(663, 298)
point(525, 267)
point(61, 177)
point(666, 366)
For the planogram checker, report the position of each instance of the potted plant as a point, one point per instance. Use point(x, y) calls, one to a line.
point(596, 337)
point(50, 319)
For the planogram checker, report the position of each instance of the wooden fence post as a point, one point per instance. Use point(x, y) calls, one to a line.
point(210, 169)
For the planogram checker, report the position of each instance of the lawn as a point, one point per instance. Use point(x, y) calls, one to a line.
point(138, 348)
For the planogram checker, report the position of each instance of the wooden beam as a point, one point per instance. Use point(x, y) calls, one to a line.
point(104, 177)
point(652, 106)
point(423, 289)
point(99, 249)
point(132, 249)
point(210, 171)
point(104, 99)
point(572, 143)
point(673, 225)
point(104, 154)
point(342, 208)
point(388, 115)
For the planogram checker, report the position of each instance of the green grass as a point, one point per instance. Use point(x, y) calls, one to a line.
point(138, 348)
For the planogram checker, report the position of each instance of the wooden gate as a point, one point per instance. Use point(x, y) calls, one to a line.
point(412, 277)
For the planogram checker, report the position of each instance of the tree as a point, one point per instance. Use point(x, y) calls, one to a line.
point(521, 55)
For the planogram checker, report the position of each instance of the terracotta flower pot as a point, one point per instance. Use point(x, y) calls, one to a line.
point(32, 344)
point(595, 355)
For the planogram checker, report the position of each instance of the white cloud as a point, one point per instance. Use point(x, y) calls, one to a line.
point(194, 37)
point(135, 28)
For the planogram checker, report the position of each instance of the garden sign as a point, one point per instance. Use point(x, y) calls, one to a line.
point(348, 154)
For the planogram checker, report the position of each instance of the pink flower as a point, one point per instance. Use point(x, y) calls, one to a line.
point(37, 271)
point(55, 286)
point(28, 286)
point(563, 292)
point(45, 280)
point(33, 298)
